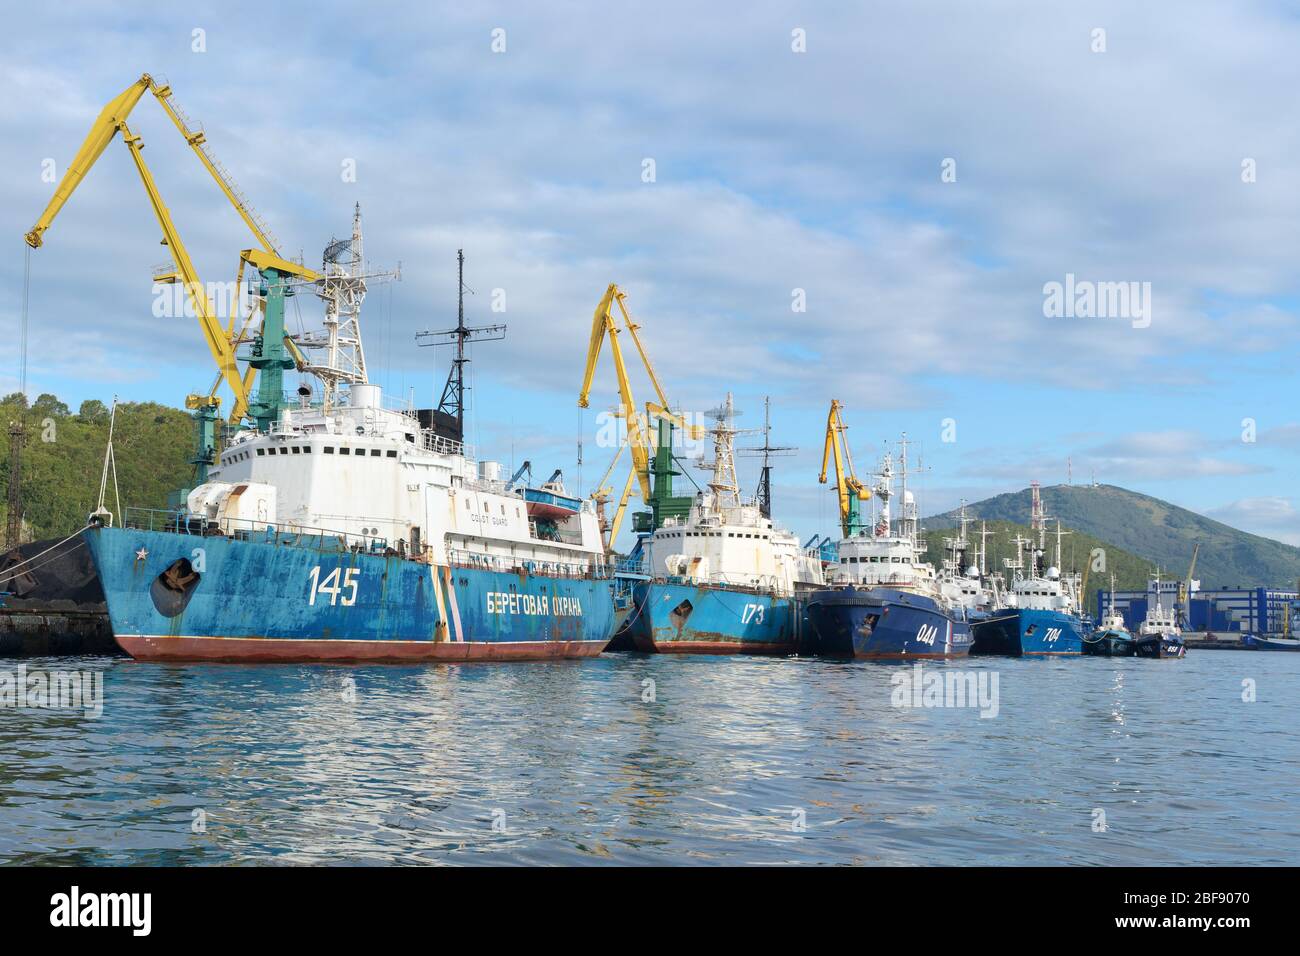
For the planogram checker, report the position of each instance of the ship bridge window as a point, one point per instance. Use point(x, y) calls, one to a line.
point(261, 451)
point(284, 449)
point(328, 449)
point(297, 450)
point(392, 453)
point(375, 452)
point(345, 450)
point(306, 449)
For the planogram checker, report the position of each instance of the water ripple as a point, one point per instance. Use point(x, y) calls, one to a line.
point(732, 760)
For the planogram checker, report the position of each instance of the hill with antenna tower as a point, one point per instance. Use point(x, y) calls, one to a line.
point(1149, 529)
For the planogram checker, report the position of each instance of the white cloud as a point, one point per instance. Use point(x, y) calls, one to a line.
point(1270, 516)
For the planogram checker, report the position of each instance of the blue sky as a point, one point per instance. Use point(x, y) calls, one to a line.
point(775, 171)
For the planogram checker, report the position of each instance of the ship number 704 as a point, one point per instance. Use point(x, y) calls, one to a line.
point(332, 587)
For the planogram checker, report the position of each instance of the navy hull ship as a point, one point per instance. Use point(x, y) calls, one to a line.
point(884, 601)
point(1041, 613)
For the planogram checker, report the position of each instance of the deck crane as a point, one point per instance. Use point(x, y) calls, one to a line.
point(851, 491)
point(610, 528)
point(604, 325)
point(270, 353)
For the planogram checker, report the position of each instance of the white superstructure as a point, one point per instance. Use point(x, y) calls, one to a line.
point(1112, 620)
point(966, 584)
point(372, 473)
point(727, 541)
point(1034, 589)
point(1159, 621)
point(890, 554)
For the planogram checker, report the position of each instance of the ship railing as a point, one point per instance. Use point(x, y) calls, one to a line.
point(441, 445)
point(629, 567)
point(765, 583)
point(254, 530)
point(552, 532)
point(509, 565)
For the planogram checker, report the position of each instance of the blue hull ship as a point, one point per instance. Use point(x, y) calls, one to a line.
point(1029, 632)
point(270, 596)
point(883, 623)
point(1264, 643)
point(683, 618)
point(352, 527)
point(722, 578)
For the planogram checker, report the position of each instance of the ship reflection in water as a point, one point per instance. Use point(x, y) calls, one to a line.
point(654, 759)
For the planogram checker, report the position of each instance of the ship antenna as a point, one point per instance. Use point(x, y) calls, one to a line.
point(452, 404)
point(768, 451)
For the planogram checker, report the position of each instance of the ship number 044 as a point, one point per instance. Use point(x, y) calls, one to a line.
point(332, 586)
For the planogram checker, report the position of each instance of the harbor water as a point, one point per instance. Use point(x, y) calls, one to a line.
point(630, 759)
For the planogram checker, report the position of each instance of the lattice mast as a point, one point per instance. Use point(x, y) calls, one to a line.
point(343, 290)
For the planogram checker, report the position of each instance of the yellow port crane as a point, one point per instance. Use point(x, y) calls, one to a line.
point(604, 325)
point(221, 340)
point(851, 491)
point(1185, 589)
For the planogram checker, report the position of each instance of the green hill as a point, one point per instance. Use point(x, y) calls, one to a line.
point(1153, 530)
point(63, 459)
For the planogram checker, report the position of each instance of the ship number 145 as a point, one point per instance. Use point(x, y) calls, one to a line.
point(332, 586)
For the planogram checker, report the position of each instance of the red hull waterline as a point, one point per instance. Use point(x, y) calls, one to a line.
point(650, 646)
point(251, 649)
point(907, 656)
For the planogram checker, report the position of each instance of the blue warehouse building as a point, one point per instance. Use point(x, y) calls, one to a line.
point(1227, 613)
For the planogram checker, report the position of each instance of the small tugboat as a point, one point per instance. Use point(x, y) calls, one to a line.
point(1159, 635)
point(885, 602)
point(1112, 638)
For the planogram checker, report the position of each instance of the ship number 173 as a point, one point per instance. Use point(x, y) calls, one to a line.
point(332, 586)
